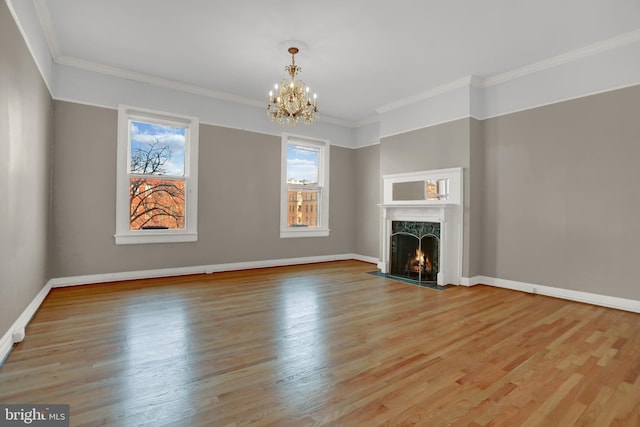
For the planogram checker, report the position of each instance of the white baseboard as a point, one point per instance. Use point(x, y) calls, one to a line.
point(468, 281)
point(568, 294)
point(201, 269)
point(20, 325)
point(586, 297)
point(364, 258)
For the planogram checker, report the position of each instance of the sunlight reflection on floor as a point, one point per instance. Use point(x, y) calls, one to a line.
point(301, 348)
point(158, 345)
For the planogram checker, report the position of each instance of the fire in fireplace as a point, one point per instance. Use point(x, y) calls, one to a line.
point(415, 250)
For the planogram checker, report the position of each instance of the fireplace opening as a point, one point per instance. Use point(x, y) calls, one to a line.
point(415, 250)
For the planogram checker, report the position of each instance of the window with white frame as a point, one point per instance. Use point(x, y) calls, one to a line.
point(304, 209)
point(157, 177)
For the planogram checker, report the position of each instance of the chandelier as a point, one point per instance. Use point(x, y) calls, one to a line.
point(290, 102)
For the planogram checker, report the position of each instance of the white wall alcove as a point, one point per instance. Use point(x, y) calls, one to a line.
point(427, 196)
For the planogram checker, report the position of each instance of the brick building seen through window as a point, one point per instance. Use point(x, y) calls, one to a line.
point(302, 208)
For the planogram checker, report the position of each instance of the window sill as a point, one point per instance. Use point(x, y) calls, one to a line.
point(293, 233)
point(145, 237)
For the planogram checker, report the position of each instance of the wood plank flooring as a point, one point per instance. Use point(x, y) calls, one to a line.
point(324, 345)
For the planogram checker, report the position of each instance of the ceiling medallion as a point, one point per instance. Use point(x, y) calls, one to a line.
point(290, 102)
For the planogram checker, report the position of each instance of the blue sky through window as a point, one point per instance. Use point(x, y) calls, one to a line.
point(302, 163)
point(144, 134)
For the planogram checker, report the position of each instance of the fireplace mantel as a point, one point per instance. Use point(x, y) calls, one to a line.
point(448, 213)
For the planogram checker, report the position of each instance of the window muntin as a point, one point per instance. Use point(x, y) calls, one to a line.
point(156, 196)
point(304, 187)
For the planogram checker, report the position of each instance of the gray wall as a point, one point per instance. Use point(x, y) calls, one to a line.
point(25, 139)
point(442, 146)
point(562, 195)
point(474, 252)
point(238, 203)
point(367, 213)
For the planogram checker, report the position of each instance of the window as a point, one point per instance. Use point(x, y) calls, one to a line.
point(157, 177)
point(305, 184)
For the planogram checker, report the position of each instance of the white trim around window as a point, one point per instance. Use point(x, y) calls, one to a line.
point(189, 176)
point(319, 226)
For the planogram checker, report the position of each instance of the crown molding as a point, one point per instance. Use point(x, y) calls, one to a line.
point(477, 82)
point(438, 90)
point(44, 17)
point(153, 80)
point(481, 83)
point(96, 67)
point(574, 55)
point(41, 55)
point(367, 121)
point(335, 121)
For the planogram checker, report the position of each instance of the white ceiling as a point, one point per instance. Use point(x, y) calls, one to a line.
point(358, 55)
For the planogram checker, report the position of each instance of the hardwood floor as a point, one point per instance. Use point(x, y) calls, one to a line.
point(324, 344)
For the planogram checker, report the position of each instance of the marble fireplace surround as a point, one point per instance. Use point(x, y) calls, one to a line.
point(448, 213)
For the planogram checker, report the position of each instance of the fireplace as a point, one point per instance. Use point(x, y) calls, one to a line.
point(422, 226)
point(415, 250)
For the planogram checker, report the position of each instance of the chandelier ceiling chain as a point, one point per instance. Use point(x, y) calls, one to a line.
point(290, 103)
